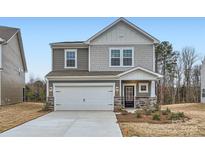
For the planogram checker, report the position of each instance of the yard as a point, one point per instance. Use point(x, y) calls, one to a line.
point(195, 126)
point(14, 115)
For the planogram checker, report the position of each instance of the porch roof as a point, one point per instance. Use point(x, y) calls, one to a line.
point(139, 73)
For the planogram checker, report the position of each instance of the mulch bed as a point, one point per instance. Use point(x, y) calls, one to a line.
point(131, 117)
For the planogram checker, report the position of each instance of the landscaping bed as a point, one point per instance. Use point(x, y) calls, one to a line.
point(182, 120)
point(16, 114)
point(154, 117)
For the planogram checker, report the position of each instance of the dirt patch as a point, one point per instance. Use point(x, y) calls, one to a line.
point(14, 115)
point(195, 126)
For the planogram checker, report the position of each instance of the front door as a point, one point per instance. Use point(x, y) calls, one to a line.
point(129, 96)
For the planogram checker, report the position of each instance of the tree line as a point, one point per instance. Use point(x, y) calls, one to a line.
point(35, 90)
point(181, 74)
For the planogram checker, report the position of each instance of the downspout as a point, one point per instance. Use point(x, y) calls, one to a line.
point(47, 89)
point(1, 44)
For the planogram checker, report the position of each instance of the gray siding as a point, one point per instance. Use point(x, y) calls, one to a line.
point(99, 57)
point(121, 33)
point(12, 82)
point(58, 59)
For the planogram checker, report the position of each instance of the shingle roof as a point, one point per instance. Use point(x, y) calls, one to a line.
point(82, 73)
point(7, 32)
point(73, 42)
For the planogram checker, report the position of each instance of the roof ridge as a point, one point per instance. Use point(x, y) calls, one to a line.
point(9, 27)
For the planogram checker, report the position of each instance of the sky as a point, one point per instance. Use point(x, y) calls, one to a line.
point(37, 33)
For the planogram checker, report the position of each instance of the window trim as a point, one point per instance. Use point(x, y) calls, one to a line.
point(144, 84)
point(65, 58)
point(121, 56)
point(110, 57)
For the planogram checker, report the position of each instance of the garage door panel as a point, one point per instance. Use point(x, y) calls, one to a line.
point(84, 98)
point(83, 107)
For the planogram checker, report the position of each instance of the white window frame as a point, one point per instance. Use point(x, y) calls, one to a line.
point(111, 57)
point(65, 57)
point(144, 84)
point(121, 56)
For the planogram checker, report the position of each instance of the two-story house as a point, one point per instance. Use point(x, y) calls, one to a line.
point(12, 66)
point(115, 67)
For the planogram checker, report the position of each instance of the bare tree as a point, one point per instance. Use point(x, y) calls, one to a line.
point(179, 73)
point(195, 77)
point(188, 58)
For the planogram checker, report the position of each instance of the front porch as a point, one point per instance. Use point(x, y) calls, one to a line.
point(136, 88)
point(135, 93)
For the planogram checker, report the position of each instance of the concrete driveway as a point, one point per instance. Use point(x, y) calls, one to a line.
point(70, 124)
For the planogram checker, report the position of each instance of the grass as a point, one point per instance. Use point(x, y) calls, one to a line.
point(195, 126)
point(14, 115)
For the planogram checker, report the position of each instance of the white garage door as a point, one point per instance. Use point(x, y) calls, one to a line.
point(84, 97)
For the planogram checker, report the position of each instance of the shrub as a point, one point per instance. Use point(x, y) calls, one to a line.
point(166, 112)
point(156, 117)
point(181, 114)
point(177, 116)
point(124, 112)
point(118, 109)
point(148, 112)
point(138, 115)
point(46, 107)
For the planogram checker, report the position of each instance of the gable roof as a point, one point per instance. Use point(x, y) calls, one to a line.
point(6, 34)
point(83, 43)
point(129, 24)
point(69, 43)
point(142, 69)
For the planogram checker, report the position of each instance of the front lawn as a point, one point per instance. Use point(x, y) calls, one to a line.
point(194, 125)
point(14, 115)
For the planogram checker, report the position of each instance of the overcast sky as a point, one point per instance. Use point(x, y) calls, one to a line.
point(37, 33)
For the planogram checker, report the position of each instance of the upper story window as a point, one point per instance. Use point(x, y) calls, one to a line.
point(71, 58)
point(115, 57)
point(127, 57)
point(121, 57)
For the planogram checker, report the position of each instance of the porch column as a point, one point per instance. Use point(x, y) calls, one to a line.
point(120, 88)
point(153, 89)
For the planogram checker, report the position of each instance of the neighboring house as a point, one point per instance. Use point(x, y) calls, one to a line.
point(12, 66)
point(115, 67)
point(203, 82)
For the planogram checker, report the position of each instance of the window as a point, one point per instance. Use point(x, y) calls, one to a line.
point(115, 57)
point(121, 57)
point(127, 57)
point(143, 87)
point(71, 58)
point(203, 92)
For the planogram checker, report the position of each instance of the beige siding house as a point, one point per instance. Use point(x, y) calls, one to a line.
point(114, 68)
point(12, 65)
